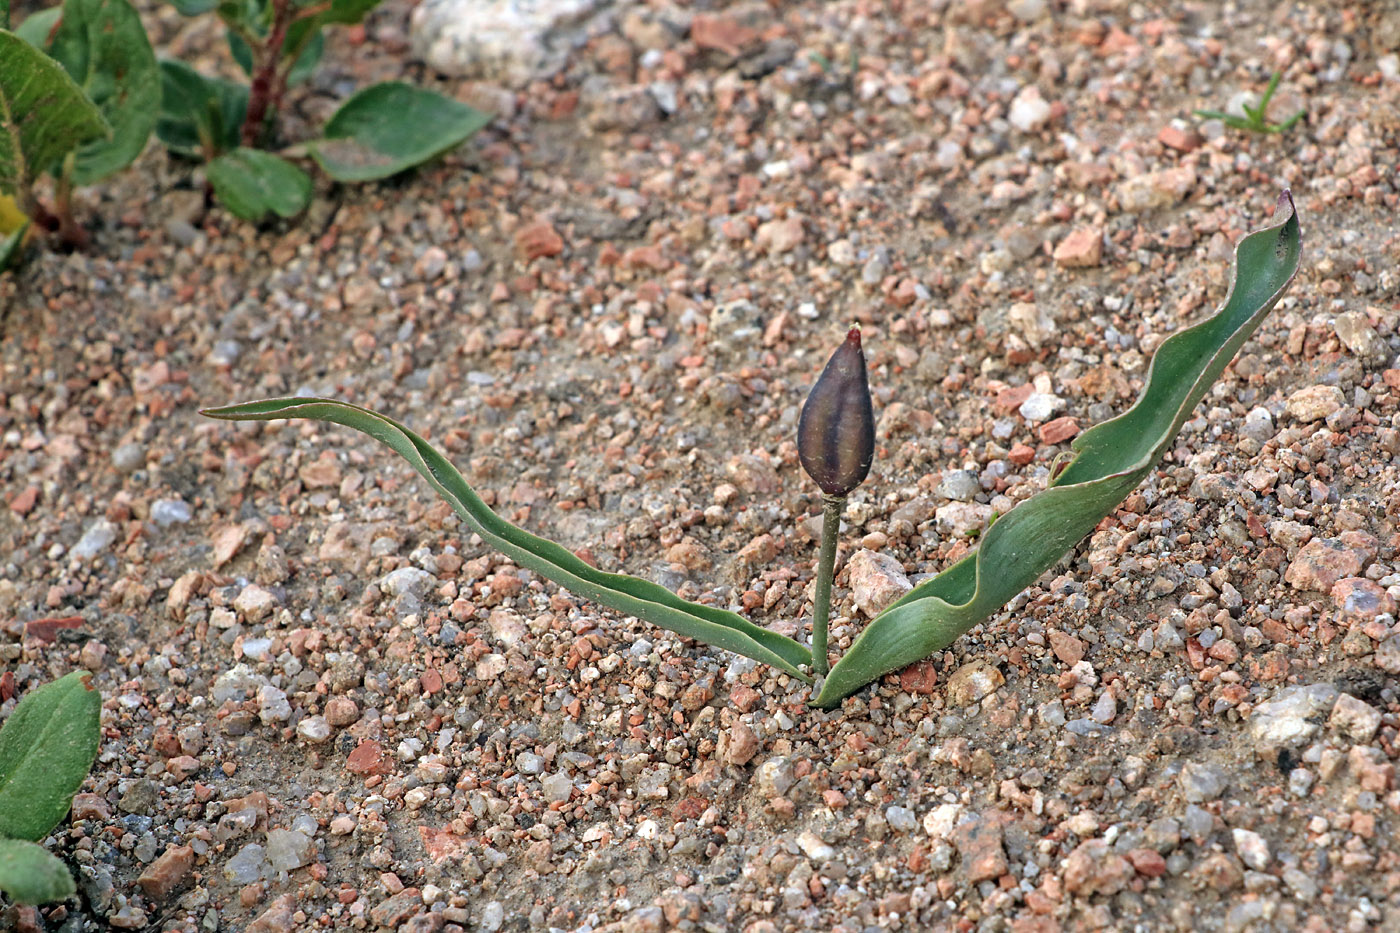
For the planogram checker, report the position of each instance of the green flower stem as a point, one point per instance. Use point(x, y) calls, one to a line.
point(826, 564)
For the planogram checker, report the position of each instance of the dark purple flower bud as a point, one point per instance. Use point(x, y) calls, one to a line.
point(836, 433)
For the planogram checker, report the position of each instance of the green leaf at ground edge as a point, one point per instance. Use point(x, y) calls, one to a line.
point(103, 46)
point(389, 127)
point(1111, 459)
point(29, 874)
point(252, 183)
point(57, 116)
point(630, 595)
point(47, 746)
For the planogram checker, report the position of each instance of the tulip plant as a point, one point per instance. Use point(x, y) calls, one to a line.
point(836, 445)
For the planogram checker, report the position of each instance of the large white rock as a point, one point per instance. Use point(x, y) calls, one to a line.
point(502, 40)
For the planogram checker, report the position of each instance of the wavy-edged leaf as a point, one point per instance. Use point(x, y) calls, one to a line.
point(252, 183)
point(1111, 459)
point(47, 746)
point(103, 47)
point(43, 114)
point(199, 117)
point(643, 599)
point(389, 127)
point(30, 875)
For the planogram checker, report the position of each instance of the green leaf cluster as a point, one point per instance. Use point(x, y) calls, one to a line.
point(78, 100)
point(1108, 462)
point(47, 747)
point(81, 92)
point(380, 131)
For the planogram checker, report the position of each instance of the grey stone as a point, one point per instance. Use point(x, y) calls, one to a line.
point(775, 777)
point(234, 684)
point(901, 819)
point(273, 706)
point(288, 849)
point(406, 581)
point(557, 787)
point(961, 485)
point(1201, 781)
point(1388, 655)
point(247, 865)
point(1291, 718)
point(167, 512)
point(1252, 848)
point(128, 458)
point(1197, 823)
point(1356, 719)
point(96, 539)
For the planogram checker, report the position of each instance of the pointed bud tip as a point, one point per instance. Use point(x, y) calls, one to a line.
point(853, 336)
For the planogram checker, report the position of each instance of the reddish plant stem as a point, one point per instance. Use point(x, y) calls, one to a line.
point(40, 215)
point(269, 82)
point(69, 230)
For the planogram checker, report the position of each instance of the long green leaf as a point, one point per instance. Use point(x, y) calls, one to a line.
point(630, 595)
point(30, 875)
point(46, 748)
point(1111, 459)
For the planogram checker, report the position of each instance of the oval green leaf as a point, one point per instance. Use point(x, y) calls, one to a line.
point(46, 748)
point(199, 117)
point(30, 875)
point(643, 599)
point(43, 114)
point(387, 128)
point(253, 184)
point(1110, 460)
point(103, 47)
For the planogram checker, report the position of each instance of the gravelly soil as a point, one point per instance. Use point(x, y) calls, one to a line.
point(328, 707)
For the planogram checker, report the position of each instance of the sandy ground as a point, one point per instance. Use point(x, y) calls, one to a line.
point(329, 707)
